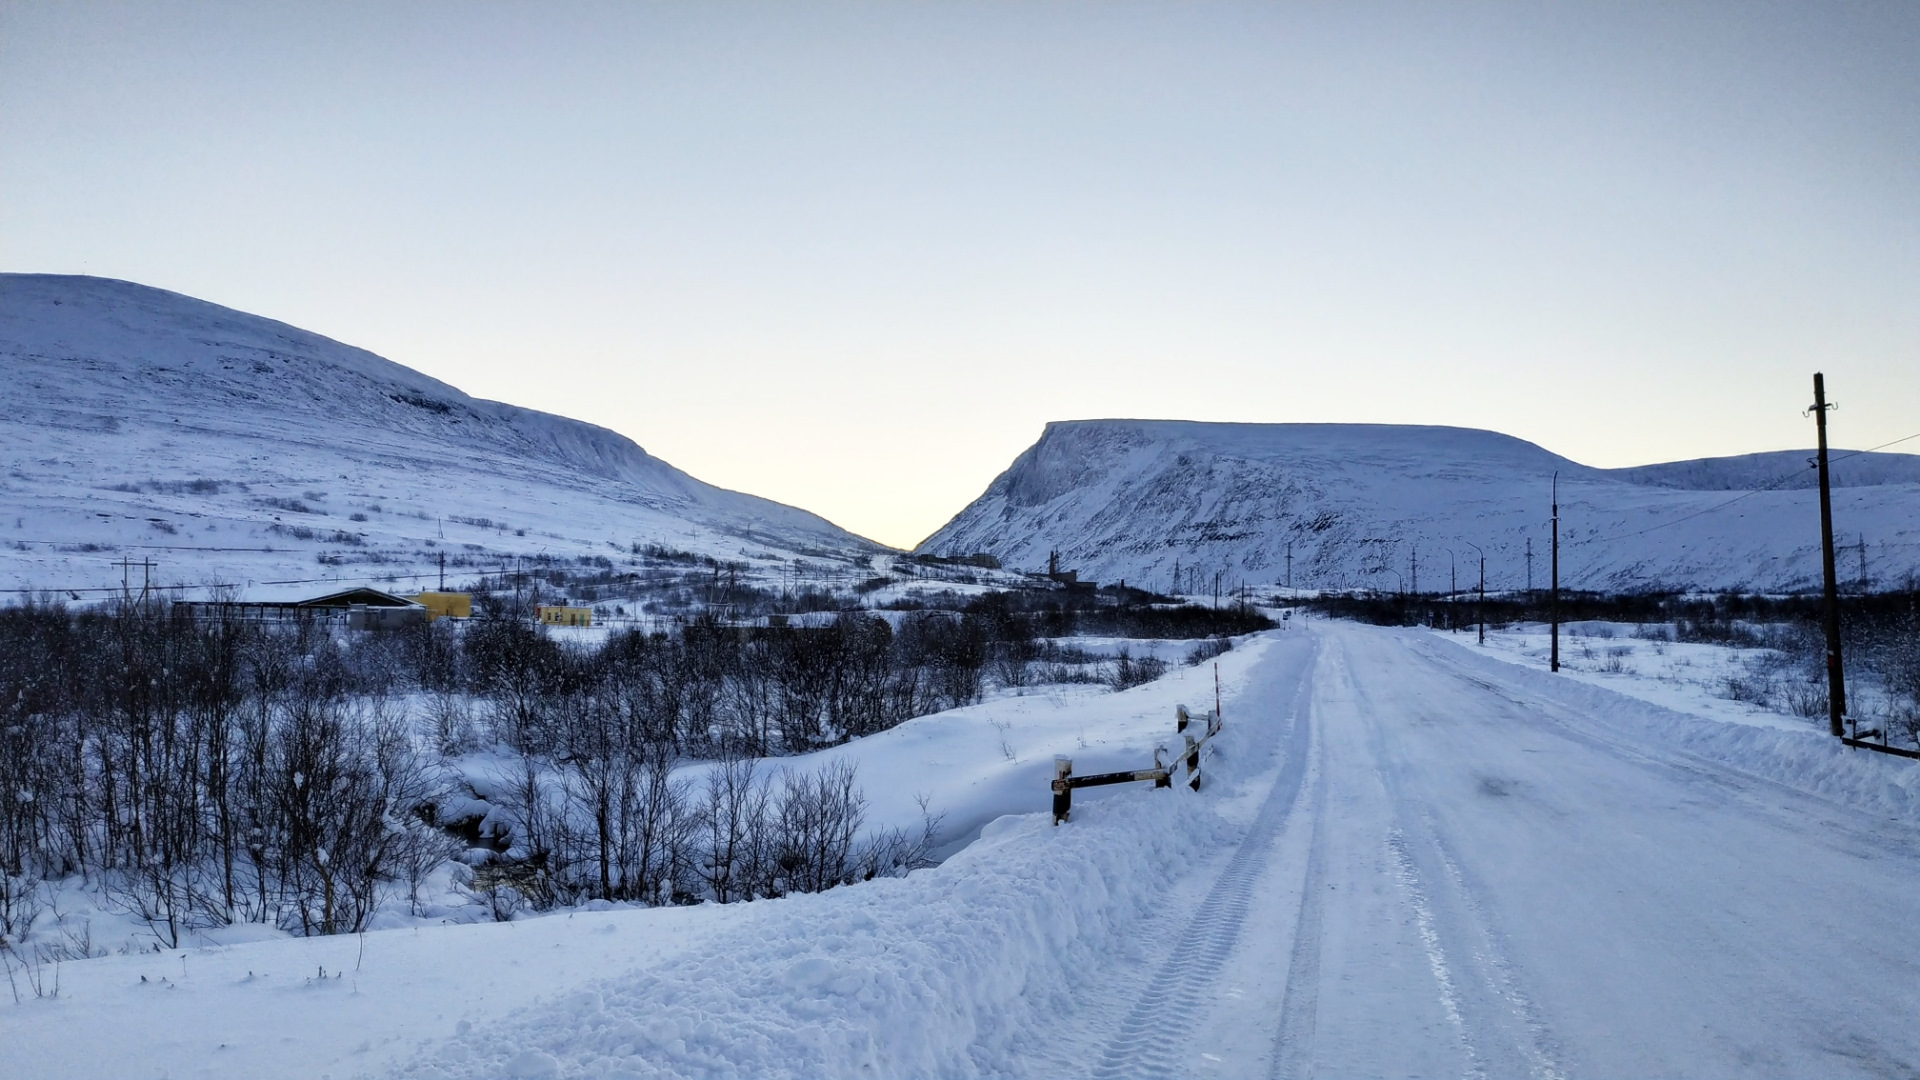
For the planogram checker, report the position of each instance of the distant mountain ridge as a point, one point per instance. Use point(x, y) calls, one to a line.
point(1778, 469)
point(124, 395)
point(1362, 505)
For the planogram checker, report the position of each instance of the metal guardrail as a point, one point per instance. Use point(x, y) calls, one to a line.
point(1160, 773)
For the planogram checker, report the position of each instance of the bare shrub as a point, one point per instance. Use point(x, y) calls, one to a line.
point(733, 820)
point(1129, 672)
point(1206, 649)
point(816, 817)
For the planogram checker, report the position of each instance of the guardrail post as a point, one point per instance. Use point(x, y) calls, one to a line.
point(1180, 718)
point(1062, 789)
point(1193, 763)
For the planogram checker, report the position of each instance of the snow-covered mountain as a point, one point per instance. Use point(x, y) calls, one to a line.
point(231, 448)
point(1361, 505)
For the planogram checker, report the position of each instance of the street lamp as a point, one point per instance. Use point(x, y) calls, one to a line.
point(1482, 603)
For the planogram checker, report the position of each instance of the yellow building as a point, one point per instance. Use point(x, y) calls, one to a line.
point(556, 615)
point(446, 605)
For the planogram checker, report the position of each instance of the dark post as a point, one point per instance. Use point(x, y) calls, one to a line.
point(1554, 604)
point(1836, 681)
point(1453, 590)
point(1482, 605)
point(1193, 763)
point(1289, 569)
point(1062, 790)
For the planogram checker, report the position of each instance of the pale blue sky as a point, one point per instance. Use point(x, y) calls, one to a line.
point(853, 256)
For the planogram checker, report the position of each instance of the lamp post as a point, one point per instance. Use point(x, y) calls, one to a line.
point(1453, 591)
point(1482, 604)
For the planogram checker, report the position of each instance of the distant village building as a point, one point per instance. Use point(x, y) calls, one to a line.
point(446, 605)
point(364, 608)
point(1069, 578)
point(561, 615)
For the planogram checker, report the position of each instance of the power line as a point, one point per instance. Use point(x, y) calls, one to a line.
point(1775, 484)
point(1871, 449)
point(115, 545)
point(156, 588)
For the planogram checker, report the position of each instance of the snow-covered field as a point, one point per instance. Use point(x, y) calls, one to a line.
point(1414, 857)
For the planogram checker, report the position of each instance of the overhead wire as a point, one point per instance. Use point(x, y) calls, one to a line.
point(1775, 484)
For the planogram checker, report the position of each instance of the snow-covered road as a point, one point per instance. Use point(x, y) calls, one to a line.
point(1480, 876)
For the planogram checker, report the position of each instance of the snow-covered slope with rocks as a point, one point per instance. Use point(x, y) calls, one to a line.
point(1361, 505)
point(145, 424)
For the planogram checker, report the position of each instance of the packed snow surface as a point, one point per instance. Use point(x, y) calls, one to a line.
point(1379, 506)
point(232, 449)
point(1412, 856)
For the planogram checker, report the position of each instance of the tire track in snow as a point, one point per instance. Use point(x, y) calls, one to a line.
point(1493, 1017)
point(1300, 1009)
point(1408, 876)
point(1183, 983)
point(1498, 968)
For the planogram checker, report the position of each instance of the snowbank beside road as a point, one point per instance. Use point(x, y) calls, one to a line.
point(963, 969)
point(947, 972)
point(1671, 712)
point(892, 977)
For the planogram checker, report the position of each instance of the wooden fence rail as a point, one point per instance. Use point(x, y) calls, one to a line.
point(1160, 773)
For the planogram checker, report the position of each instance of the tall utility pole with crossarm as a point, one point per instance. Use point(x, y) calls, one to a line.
point(1554, 603)
point(1836, 680)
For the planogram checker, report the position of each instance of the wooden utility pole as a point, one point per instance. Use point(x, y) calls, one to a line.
point(1554, 603)
point(1836, 680)
point(1529, 567)
point(1289, 568)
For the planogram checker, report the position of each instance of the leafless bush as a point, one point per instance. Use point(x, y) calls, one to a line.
point(816, 817)
point(896, 852)
point(21, 905)
point(733, 820)
point(1129, 672)
point(1804, 698)
point(1206, 649)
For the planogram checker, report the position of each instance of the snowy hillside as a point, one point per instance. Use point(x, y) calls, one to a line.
point(1746, 472)
point(231, 448)
point(1360, 504)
